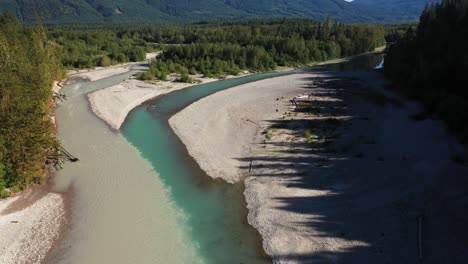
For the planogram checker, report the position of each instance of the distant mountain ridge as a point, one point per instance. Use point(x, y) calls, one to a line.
point(403, 10)
point(94, 11)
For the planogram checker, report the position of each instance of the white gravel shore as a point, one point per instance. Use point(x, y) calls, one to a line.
point(114, 103)
point(99, 73)
point(220, 129)
point(29, 227)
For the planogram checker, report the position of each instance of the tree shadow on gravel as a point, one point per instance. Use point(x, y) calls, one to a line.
point(354, 198)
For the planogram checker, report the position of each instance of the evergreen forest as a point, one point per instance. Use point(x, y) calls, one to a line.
point(29, 63)
point(430, 63)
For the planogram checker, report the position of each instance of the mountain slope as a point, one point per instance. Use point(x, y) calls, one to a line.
point(91, 11)
point(401, 10)
point(58, 11)
point(318, 9)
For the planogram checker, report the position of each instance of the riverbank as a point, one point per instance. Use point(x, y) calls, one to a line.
point(343, 176)
point(114, 103)
point(99, 73)
point(31, 222)
point(239, 116)
point(380, 49)
point(34, 220)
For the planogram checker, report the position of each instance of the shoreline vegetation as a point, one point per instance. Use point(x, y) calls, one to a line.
point(29, 64)
point(32, 220)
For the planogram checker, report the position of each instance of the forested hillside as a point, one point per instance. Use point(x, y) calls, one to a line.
point(431, 62)
point(28, 65)
point(93, 11)
point(98, 47)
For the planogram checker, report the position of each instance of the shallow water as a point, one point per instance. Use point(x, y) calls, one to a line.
point(357, 63)
point(121, 210)
point(216, 214)
point(381, 64)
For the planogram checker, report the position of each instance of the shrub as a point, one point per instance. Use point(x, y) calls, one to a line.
point(307, 134)
point(192, 71)
point(4, 193)
point(104, 61)
point(267, 134)
point(185, 78)
point(144, 76)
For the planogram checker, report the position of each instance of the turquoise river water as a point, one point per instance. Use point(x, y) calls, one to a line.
point(215, 211)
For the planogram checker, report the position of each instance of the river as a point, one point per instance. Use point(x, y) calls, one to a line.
point(148, 201)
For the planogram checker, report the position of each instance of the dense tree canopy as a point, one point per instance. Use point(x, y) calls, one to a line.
point(28, 65)
point(91, 48)
point(216, 49)
point(115, 11)
point(430, 63)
